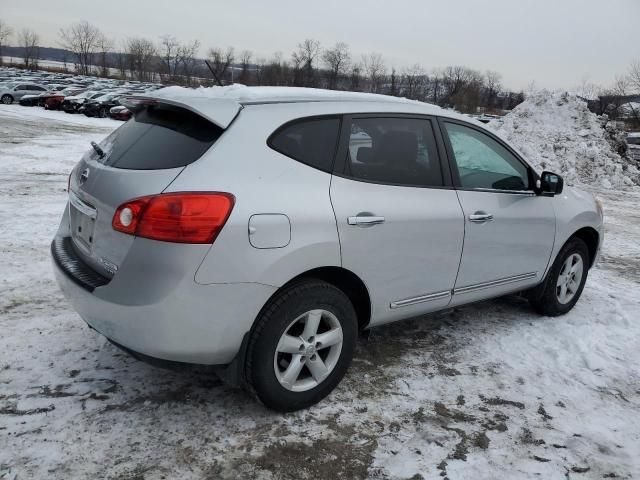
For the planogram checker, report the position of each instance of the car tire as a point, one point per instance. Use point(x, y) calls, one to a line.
point(562, 288)
point(307, 307)
point(6, 99)
point(103, 113)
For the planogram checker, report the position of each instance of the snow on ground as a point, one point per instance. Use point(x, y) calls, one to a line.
point(486, 391)
point(557, 132)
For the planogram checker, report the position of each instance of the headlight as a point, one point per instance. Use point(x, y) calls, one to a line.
point(600, 209)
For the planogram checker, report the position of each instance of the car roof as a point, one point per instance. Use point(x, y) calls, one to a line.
point(222, 104)
point(264, 95)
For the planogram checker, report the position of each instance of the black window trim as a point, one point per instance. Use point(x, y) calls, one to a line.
point(341, 157)
point(297, 120)
point(533, 176)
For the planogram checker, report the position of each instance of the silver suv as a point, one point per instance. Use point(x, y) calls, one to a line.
point(263, 228)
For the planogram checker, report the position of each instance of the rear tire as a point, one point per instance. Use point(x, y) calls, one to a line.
point(6, 99)
point(565, 281)
point(287, 366)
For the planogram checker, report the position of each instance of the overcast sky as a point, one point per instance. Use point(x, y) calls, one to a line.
point(556, 43)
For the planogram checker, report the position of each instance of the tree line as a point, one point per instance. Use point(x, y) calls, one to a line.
point(171, 61)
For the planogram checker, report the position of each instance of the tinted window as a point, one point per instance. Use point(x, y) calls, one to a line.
point(309, 141)
point(399, 151)
point(160, 136)
point(484, 163)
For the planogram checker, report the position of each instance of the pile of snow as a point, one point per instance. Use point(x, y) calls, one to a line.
point(557, 132)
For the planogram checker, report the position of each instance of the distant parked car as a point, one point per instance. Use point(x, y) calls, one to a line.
point(11, 92)
point(73, 103)
point(633, 140)
point(120, 113)
point(54, 100)
point(29, 100)
point(100, 106)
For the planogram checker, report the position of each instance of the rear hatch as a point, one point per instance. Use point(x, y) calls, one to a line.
point(142, 157)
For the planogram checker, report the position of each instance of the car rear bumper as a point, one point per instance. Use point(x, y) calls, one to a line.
point(175, 319)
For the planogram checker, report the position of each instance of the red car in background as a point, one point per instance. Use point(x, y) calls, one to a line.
point(120, 112)
point(53, 100)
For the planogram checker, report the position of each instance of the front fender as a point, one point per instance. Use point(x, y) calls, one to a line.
point(574, 209)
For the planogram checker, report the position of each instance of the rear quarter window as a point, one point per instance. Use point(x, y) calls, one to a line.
point(310, 141)
point(160, 137)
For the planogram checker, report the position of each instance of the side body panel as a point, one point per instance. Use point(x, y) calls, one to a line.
point(512, 250)
point(414, 253)
point(263, 181)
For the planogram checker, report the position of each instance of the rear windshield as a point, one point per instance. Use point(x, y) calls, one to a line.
point(158, 137)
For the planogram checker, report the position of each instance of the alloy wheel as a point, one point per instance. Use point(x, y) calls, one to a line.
point(308, 350)
point(569, 278)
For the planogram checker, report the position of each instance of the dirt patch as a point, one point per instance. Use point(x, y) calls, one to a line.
point(323, 459)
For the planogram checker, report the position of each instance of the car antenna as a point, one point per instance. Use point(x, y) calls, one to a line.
point(97, 148)
point(213, 73)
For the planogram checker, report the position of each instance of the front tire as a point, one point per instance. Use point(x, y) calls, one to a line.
point(565, 280)
point(301, 346)
point(6, 99)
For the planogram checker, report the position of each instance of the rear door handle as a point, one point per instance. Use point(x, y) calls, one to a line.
point(365, 220)
point(480, 217)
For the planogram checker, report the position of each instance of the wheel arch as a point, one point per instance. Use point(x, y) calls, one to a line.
point(591, 238)
point(341, 278)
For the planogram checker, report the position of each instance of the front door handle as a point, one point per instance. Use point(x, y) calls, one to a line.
point(480, 217)
point(364, 221)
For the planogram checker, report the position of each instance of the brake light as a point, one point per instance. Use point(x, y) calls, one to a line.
point(184, 217)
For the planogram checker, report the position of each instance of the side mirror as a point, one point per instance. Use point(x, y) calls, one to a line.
point(550, 183)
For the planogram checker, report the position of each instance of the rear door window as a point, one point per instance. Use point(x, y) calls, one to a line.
point(396, 151)
point(158, 137)
point(310, 141)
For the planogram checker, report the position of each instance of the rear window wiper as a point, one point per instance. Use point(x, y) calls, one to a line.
point(97, 148)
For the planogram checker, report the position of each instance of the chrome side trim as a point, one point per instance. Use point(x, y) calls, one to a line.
point(422, 298)
point(495, 283)
point(85, 208)
point(529, 193)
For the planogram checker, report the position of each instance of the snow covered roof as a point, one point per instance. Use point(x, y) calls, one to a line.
point(221, 104)
point(260, 95)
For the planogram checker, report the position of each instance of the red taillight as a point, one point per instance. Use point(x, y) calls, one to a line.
point(175, 217)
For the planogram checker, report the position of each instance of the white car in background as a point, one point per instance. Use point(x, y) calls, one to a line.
point(10, 92)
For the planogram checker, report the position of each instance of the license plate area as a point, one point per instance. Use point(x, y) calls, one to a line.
point(82, 218)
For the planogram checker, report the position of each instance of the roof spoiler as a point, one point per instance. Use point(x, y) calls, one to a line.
point(220, 111)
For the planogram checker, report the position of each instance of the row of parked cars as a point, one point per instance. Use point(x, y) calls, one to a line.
point(92, 96)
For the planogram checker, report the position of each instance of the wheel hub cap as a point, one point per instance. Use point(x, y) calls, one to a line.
point(308, 350)
point(569, 278)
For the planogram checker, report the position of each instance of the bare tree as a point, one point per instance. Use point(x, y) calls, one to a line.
point(220, 61)
point(5, 32)
point(634, 75)
point(104, 46)
point(492, 86)
point(337, 61)
point(303, 61)
point(413, 83)
point(142, 54)
point(169, 47)
point(245, 61)
point(83, 40)
point(375, 70)
point(187, 61)
point(28, 40)
point(355, 78)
